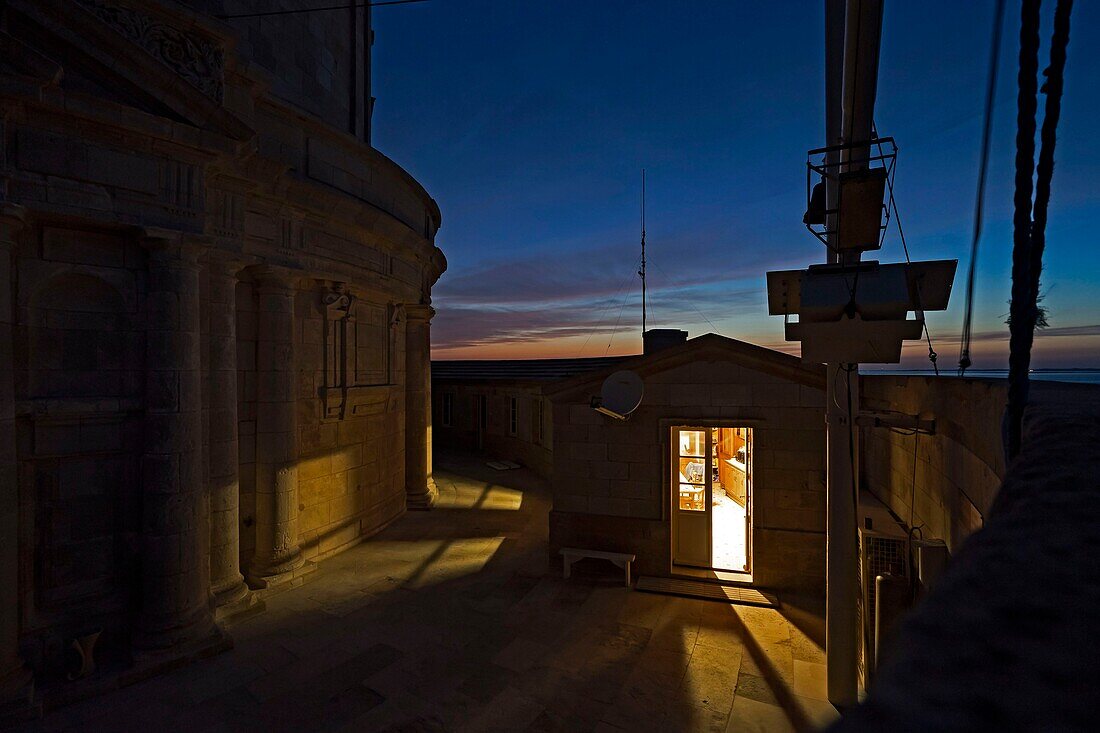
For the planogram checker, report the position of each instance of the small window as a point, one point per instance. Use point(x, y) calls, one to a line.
point(447, 407)
point(513, 416)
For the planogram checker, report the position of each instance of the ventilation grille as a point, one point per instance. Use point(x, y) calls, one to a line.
point(878, 554)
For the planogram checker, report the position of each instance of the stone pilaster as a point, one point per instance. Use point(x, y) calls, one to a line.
point(226, 581)
point(277, 555)
point(420, 489)
point(16, 682)
point(175, 605)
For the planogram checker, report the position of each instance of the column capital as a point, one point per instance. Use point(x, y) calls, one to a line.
point(274, 278)
point(171, 244)
point(223, 263)
point(419, 312)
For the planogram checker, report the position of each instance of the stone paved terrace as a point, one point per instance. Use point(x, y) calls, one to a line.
point(452, 620)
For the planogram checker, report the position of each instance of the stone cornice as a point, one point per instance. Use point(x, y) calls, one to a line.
point(29, 62)
point(354, 147)
point(438, 264)
point(113, 46)
point(232, 194)
point(419, 312)
point(221, 262)
point(100, 119)
point(272, 278)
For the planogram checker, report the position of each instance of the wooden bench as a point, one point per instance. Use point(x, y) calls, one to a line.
point(571, 554)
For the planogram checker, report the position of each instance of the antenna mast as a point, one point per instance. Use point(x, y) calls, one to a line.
point(641, 272)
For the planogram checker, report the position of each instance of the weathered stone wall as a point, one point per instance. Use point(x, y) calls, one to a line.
point(79, 381)
point(525, 447)
point(610, 479)
point(1008, 637)
point(352, 469)
point(317, 61)
point(351, 466)
point(170, 224)
point(951, 484)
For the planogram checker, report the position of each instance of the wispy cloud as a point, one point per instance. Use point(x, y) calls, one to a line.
point(1041, 333)
point(591, 268)
point(591, 293)
point(596, 320)
point(535, 310)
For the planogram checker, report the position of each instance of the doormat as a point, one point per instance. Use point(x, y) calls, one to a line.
point(502, 465)
point(707, 591)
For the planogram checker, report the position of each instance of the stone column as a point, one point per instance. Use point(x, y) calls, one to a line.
point(420, 490)
point(277, 552)
point(226, 581)
point(175, 605)
point(16, 682)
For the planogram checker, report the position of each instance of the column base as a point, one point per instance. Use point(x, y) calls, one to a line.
point(246, 606)
point(234, 601)
point(149, 663)
point(231, 592)
point(266, 585)
point(422, 500)
point(157, 638)
point(262, 570)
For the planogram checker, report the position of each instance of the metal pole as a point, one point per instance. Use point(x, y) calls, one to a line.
point(852, 29)
point(642, 271)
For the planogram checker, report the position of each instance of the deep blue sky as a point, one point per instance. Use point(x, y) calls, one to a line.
point(529, 122)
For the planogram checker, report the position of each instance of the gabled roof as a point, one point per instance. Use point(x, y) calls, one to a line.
point(708, 347)
point(520, 370)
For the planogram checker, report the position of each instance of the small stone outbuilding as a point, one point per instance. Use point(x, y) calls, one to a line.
point(496, 407)
point(614, 480)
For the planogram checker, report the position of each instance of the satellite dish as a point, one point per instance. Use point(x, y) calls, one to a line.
point(620, 395)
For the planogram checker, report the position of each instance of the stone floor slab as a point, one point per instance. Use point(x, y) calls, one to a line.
point(454, 620)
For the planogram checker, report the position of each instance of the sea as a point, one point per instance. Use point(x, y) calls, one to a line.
point(1080, 376)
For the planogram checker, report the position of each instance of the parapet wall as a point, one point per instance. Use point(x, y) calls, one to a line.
point(950, 486)
point(1007, 639)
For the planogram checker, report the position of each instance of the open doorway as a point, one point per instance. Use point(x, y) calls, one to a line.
point(711, 491)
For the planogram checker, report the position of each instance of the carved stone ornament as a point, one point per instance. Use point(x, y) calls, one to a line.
point(357, 348)
point(198, 60)
point(339, 301)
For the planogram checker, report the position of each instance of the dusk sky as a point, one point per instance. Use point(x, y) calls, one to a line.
point(530, 123)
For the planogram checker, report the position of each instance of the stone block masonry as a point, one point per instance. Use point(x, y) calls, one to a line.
point(277, 553)
point(226, 581)
point(175, 576)
point(611, 478)
point(204, 346)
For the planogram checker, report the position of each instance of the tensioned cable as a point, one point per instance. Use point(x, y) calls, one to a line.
point(983, 166)
point(603, 313)
point(1027, 103)
point(1044, 170)
point(264, 13)
point(1029, 235)
point(618, 320)
point(689, 300)
point(905, 248)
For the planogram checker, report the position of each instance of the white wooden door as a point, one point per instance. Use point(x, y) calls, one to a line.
point(691, 496)
point(748, 500)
